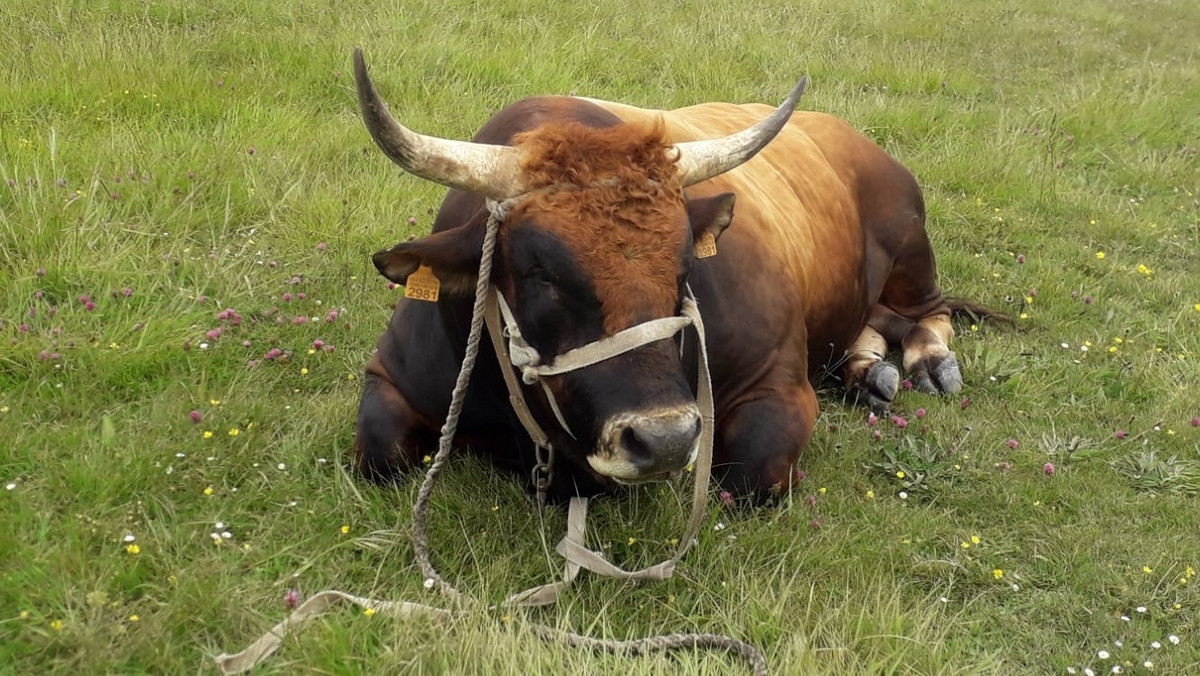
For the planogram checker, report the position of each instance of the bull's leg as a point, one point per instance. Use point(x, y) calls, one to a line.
point(391, 437)
point(869, 377)
point(928, 361)
point(759, 440)
point(913, 314)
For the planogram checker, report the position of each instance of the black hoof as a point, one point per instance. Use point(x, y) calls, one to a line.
point(943, 378)
point(877, 388)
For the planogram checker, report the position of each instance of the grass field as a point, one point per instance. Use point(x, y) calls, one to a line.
point(161, 163)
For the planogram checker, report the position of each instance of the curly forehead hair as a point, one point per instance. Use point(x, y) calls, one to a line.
point(622, 215)
point(569, 152)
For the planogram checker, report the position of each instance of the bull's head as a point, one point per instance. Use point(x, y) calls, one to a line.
point(601, 239)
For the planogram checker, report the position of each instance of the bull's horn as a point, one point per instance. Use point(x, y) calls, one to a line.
point(490, 170)
point(701, 160)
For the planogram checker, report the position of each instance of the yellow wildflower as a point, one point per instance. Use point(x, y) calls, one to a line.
point(870, 495)
point(134, 618)
point(56, 625)
point(345, 529)
point(369, 612)
point(214, 402)
point(233, 432)
point(900, 474)
point(1147, 570)
point(821, 490)
point(974, 539)
point(1100, 255)
point(997, 573)
point(208, 490)
point(965, 545)
point(304, 371)
point(133, 549)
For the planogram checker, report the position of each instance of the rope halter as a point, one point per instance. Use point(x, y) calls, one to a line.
point(488, 307)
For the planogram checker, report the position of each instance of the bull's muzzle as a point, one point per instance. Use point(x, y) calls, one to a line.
point(648, 445)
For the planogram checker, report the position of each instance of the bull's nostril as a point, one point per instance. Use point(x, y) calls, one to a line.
point(656, 443)
point(638, 451)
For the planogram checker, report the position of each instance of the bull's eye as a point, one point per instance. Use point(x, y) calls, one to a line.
point(540, 276)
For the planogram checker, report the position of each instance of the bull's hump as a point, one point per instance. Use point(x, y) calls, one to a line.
point(792, 201)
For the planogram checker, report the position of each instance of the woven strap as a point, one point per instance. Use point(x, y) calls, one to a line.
point(491, 314)
point(315, 606)
point(572, 547)
point(525, 357)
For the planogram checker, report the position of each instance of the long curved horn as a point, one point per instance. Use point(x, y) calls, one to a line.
point(490, 170)
point(701, 160)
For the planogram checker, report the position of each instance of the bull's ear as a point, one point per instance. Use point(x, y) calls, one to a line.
point(710, 215)
point(453, 255)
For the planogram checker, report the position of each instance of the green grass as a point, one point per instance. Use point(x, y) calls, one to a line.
point(1051, 131)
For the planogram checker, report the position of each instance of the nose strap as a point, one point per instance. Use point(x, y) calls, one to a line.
point(525, 357)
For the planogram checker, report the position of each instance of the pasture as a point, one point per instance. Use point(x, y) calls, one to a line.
point(188, 204)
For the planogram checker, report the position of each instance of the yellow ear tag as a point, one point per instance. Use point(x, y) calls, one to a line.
point(422, 285)
point(706, 245)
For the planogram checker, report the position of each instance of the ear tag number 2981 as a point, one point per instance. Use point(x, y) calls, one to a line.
point(706, 245)
point(422, 285)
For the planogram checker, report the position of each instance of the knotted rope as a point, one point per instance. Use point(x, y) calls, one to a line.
point(570, 547)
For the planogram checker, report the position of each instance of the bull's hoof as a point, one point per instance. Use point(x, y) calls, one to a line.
point(943, 378)
point(877, 388)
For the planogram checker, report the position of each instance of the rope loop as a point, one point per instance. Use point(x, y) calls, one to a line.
point(571, 547)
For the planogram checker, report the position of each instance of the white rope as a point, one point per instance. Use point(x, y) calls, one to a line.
point(570, 547)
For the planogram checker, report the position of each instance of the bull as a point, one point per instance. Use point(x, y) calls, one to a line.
point(618, 214)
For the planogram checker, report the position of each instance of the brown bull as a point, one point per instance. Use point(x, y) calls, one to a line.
point(824, 261)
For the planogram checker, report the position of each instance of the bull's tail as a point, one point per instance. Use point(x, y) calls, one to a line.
point(961, 307)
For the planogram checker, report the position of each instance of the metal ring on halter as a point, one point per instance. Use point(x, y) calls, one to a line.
point(542, 473)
